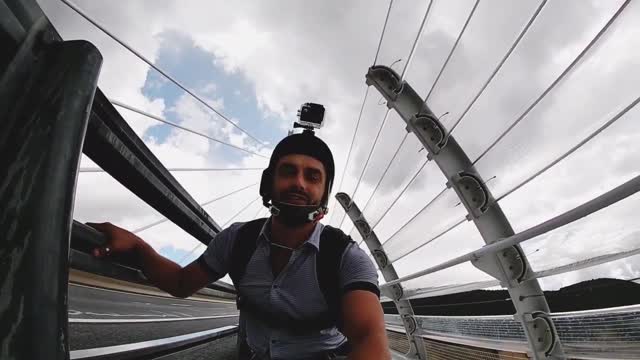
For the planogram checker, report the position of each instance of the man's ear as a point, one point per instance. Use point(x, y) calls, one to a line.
point(266, 183)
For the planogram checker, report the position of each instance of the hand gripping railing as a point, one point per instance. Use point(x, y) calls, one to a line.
point(417, 348)
point(510, 265)
point(84, 239)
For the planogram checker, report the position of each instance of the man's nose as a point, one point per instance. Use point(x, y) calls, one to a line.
point(299, 181)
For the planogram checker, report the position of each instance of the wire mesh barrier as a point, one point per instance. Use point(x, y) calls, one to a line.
point(593, 334)
point(398, 341)
point(442, 350)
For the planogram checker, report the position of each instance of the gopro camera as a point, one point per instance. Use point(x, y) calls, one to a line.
point(311, 116)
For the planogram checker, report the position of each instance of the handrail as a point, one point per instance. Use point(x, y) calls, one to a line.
point(610, 197)
point(84, 239)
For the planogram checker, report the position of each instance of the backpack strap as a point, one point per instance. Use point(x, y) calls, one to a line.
point(243, 248)
point(333, 243)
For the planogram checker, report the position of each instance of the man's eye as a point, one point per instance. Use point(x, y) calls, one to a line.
point(315, 177)
point(287, 171)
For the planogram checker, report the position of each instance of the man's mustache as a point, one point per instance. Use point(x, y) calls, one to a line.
point(288, 193)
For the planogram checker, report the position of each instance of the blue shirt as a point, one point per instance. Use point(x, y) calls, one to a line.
point(294, 291)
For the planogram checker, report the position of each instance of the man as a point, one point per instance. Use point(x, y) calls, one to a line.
point(297, 280)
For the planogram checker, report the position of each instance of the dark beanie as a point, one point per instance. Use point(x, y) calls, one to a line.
point(302, 144)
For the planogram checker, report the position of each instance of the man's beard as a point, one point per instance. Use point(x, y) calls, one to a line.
point(294, 215)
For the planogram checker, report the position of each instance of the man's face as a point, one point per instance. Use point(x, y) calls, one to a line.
point(299, 180)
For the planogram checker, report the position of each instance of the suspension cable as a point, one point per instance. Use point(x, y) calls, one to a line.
point(344, 171)
point(453, 49)
point(559, 159)
point(522, 33)
point(429, 241)
point(567, 70)
point(364, 168)
point(384, 174)
point(260, 210)
point(573, 149)
point(416, 41)
point(384, 28)
point(455, 45)
point(497, 69)
point(404, 71)
point(415, 215)
point(556, 81)
point(364, 100)
point(223, 226)
point(164, 219)
point(155, 67)
point(396, 198)
point(157, 118)
point(99, 170)
point(584, 141)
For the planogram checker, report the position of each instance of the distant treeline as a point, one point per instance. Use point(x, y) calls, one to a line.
point(587, 295)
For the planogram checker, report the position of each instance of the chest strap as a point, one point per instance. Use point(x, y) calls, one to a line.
point(333, 243)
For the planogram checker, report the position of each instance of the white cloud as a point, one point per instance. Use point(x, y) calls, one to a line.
point(294, 52)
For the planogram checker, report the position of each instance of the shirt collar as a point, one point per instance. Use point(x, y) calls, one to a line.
point(313, 240)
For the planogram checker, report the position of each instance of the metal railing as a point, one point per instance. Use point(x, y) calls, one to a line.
point(594, 334)
point(52, 112)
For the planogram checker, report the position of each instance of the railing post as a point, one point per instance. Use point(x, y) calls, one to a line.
point(509, 266)
point(417, 346)
point(46, 92)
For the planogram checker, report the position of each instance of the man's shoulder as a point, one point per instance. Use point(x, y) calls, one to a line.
point(232, 231)
point(335, 233)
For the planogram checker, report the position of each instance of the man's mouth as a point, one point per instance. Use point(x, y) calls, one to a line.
point(295, 199)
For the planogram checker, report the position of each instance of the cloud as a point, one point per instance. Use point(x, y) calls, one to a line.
point(291, 52)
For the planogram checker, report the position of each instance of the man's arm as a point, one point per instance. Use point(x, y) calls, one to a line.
point(171, 277)
point(364, 325)
point(161, 272)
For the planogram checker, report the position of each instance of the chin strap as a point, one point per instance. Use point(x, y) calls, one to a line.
point(292, 214)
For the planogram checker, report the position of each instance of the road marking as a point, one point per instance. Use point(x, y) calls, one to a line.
point(125, 321)
point(161, 296)
point(145, 347)
point(182, 314)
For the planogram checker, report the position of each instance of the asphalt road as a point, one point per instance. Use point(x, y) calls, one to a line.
point(96, 308)
point(95, 303)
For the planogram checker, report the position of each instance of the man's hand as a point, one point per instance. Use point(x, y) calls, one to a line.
point(119, 241)
point(364, 326)
point(161, 272)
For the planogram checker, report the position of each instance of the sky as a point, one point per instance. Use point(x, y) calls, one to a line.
point(257, 62)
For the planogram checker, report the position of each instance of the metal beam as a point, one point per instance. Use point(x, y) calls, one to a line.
point(417, 348)
point(510, 266)
point(46, 92)
point(115, 147)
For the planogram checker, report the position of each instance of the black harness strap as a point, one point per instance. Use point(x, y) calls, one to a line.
point(243, 249)
point(333, 243)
